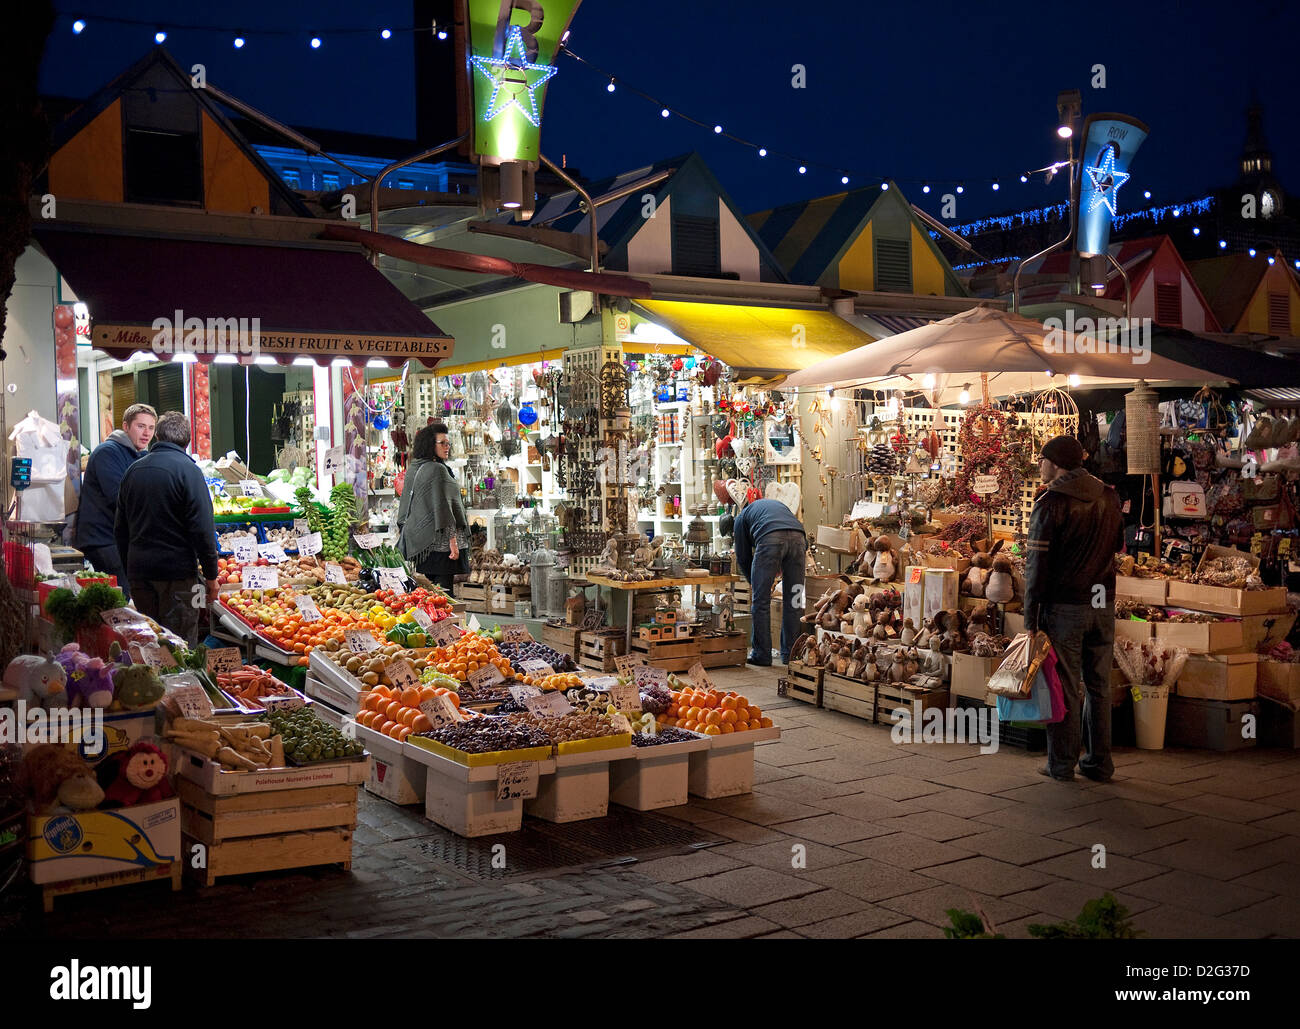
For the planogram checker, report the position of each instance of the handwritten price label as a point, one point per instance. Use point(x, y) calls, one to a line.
point(517, 780)
point(445, 632)
point(334, 460)
point(488, 675)
point(548, 704)
point(602, 682)
point(700, 677)
point(224, 660)
point(300, 527)
point(367, 540)
point(441, 711)
point(625, 663)
point(391, 579)
point(401, 673)
point(649, 675)
point(250, 488)
point(310, 612)
point(245, 548)
point(273, 552)
point(192, 700)
point(516, 634)
point(422, 618)
point(309, 545)
point(522, 693)
point(261, 578)
point(151, 654)
point(334, 573)
point(360, 641)
point(625, 696)
point(536, 666)
point(283, 702)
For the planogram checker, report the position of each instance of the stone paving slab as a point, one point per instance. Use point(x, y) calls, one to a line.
point(905, 850)
point(1208, 896)
point(749, 886)
point(870, 880)
point(931, 905)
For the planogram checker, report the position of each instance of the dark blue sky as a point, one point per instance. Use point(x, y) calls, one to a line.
point(942, 91)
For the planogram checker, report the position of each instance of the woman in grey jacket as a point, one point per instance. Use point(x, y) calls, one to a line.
point(432, 530)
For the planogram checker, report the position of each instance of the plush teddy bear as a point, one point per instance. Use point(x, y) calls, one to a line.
point(90, 680)
point(37, 680)
point(141, 777)
point(861, 615)
point(53, 777)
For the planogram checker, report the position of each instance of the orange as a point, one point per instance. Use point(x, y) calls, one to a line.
point(421, 723)
point(713, 717)
point(714, 699)
point(727, 727)
point(383, 726)
point(755, 723)
point(409, 715)
point(392, 709)
point(712, 730)
point(403, 732)
point(694, 714)
point(428, 693)
point(742, 714)
point(729, 703)
point(729, 717)
point(411, 696)
point(754, 713)
point(767, 723)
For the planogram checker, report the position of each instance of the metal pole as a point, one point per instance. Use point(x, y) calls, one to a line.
point(591, 208)
point(424, 155)
point(1074, 207)
point(1128, 291)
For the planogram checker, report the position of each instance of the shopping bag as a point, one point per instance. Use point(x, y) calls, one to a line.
point(1057, 690)
point(1020, 664)
point(1037, 707)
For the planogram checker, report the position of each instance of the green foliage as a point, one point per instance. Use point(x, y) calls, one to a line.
point(966, 926)
point(73, 611)
point(1102, 919)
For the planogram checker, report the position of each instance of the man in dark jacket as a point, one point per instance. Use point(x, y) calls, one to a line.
point(164, 531)
point(1074, 533)
point(770, 540)
point(104, 471)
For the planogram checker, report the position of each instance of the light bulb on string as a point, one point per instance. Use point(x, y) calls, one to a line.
point(442, 33)
point(78, 27)
point(964, 396)
point(762, 151)
point(664, 113)
point(717, 129)
point(803, 169)
point(961, 187)
point(160, 37)
point(315, 42)
point(1024, 178)
point(884, 185)
point(925, 187)
point(386, 34)
point(996, 186)
point(1146, 194)
point(239, 42)
point(610, 87)
point(1223, 244)
point(844, 180)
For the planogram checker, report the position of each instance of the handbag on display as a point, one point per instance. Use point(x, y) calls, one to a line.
point(1020, 664)
point(1184, 500)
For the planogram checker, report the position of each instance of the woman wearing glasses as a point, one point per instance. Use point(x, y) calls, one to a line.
point(432, 529)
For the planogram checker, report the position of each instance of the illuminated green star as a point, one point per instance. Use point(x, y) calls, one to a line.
point(512, 77)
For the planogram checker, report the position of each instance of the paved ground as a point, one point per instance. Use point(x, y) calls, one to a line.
point(846, 834)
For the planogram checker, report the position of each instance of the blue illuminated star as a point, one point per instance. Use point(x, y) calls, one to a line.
point(1105, 181)
point(512, 77)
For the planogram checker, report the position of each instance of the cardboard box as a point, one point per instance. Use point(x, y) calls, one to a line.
point(1200, 637)
point(914, 595)
point(87, 843)
point(942, 590)
point(1280, 681)
point(1211, 724)
point(1218, 677)
point(1132, 628)
point(834, 538)
point(1148, 591)
point(970, 675)
point(1265, 629)
point(959, 564)
point(1224, 601)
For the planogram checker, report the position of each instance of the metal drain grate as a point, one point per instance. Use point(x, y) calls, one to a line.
point(546, 846)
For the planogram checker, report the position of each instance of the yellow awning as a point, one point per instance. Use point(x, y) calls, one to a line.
point(761, 343)
point(536, 357)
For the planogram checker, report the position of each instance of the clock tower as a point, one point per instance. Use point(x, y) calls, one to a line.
point(1257, 166)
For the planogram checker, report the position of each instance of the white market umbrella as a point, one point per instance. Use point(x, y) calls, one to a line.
point(1019, 355)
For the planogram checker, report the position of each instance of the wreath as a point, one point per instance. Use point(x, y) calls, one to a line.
point(985, 453)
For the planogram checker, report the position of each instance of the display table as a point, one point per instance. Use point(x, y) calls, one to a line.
point(632, 588)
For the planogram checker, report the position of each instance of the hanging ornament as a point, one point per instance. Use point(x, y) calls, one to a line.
point(690, 364)
point(678, 364)
point(527, 416)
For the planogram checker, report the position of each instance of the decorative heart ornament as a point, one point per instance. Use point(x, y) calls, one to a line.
point(720, 491)
point(786, 492)
point(744, 465)
point(740, 447)
point(722, 447)
point(736, 490)
point(752, 494)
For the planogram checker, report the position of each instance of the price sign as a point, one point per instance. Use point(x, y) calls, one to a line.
point(334, 460)
point(441, 711)
point(445, 632)
point(300, 527)
point(401, 673)
point(310, 612)
point(245, 548)
point(192, 700)
point(649, 675)
point(700, 677)
point(548, 704)
point(522, 693)
point(250, 488)
point(150, 654)
point(625, 696)
point(367, 540)
point(261, 579)
point(309, 545)
point(625, 663)
point(516, 634)
point(619, 721)
point(517, 780)
point(422, 618)
point(536, 666)
point(488, 675)
point(273, 552)
point(391, 579)
point(602, 682)
point(125, 619)
point(334, 573)
point(474, 623)
point(360, 641)
point(224, 660)
point(283, 702)
point(983, 485)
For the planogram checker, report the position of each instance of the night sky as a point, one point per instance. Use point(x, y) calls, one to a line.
point(939, 91)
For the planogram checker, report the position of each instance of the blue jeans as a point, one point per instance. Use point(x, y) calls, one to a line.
point(1084, 638)
point(781, 551)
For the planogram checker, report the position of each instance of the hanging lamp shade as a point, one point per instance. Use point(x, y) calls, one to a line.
point(1142, 424)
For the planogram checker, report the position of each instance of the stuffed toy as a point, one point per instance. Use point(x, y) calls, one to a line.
point(861, 616)
point(141, 777)
point(1001, 585)
point(90, 680)
point(137, 686)
point(978, 575)
point(54, 778)
point(883, 566)
point(37, 680)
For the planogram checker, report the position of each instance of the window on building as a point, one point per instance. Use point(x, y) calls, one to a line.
point(1279, 313)
point(696, 248)
point(1169, 303)
point(162, 167)
point(329, 181)
point(894, 265)
point(292, 177)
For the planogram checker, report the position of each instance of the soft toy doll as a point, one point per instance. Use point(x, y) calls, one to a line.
point(90, 681)
point(54, 778)
point(137, 686)
point(861, 616)
point(1001, 586)
point(141, 777)
point(883, 566)
point(38, 681)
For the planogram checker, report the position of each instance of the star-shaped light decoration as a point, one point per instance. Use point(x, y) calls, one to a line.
point(512, 76)
point(1105, 181)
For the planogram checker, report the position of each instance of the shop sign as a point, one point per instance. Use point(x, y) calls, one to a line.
point(983, 485)
point(512, 47)
point(1109, 143)
point(127, 337)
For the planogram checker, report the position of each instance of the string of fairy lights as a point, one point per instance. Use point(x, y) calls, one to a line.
point(242, 38)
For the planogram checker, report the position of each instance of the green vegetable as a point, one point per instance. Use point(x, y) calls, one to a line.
point(1102, 919)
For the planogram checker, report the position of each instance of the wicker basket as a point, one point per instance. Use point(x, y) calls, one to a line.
point(1142, 425)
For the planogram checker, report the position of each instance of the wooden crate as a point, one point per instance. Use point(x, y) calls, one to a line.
point(850, 696)
point(727, 651)
point(501, 600)
point(567, 639)
point(473, 597)
point(599, 649)
point(891, 696)
point(670, 655)
point(263, 832)
point(170, 871)
point(805, 683)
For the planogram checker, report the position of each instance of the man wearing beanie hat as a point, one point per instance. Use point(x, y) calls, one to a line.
point(1074, 533)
